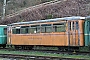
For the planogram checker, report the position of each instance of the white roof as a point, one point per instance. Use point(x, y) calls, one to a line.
point(51, 20)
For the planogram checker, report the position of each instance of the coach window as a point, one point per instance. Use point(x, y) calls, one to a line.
point(29, 30)
point(43, 28)
point(16, 30)
point(34, 29)
point(77, 25)
point(38, 29)
point(46, 28)
point(73, 26)
point(5, 31)
point(24, 30)
point(70, 26)
point(59, 27)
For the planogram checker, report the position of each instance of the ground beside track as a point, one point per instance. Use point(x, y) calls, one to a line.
point(38, 53)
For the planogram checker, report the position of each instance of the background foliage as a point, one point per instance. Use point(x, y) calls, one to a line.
point(61, 8)
point(16, 5)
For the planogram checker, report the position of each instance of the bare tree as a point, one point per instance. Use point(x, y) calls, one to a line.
point(60, 8)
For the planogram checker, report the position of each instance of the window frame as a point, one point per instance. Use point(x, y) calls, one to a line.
point(45, 28)
point(56, 26)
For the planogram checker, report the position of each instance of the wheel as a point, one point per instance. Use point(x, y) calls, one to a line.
point(61, 48)
point(4, 46)
point(30, 47)
point(23, 47)
point(73, 49)
point(16, 47)
point(26, 47)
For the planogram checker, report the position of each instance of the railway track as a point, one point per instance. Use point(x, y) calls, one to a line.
point(60, 52)
point(70, 52)
point(51, 51)
point(14, 56)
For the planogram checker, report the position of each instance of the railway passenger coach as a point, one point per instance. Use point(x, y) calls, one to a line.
point(60, 32)
point(87, 31)
point(3, 35)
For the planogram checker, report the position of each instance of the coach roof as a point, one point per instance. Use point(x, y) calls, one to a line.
point(50, 20)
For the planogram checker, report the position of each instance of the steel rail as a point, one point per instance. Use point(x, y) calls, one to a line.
point(34, 57)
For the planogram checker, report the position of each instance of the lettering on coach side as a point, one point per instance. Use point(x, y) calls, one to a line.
point(34, 38)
